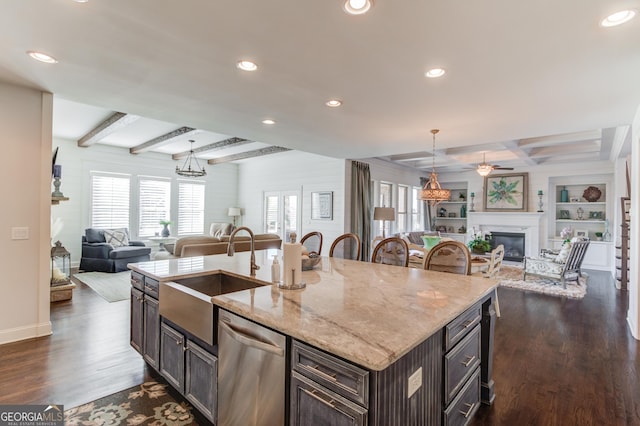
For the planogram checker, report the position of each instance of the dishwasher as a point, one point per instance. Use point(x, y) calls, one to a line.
point(251, 373)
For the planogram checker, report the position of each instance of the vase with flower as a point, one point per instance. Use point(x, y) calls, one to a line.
point(165, 230)
point(479, 243)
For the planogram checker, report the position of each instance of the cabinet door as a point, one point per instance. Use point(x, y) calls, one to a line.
point(137, 322)
point(201, 379)
point(172, 356)
point(151, 343)
point(314, 405)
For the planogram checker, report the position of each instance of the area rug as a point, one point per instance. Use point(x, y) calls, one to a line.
point(149, 403)
point(511, 276)
point(112, 287)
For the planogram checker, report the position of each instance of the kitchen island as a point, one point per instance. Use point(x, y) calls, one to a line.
point(388, 345)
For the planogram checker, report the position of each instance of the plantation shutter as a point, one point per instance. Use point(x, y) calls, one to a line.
point(110, 200)
point(190, 208)
point(154, 205)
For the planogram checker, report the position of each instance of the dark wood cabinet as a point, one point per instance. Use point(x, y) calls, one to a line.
point(313, 405)
point(190, 369)
point(137, 319)
point(151, 332)
point(201, 372)
point(172, 356)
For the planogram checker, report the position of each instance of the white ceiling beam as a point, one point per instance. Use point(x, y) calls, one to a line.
point(227, 143)
point(162, 140)
point(115, 122)
point(472, 149)
point(585, 136)
point(522, 154)
point(619, 138)
point(558, 150)
point(410, 156)
point(249, 154)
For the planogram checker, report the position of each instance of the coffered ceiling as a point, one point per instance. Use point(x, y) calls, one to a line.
point(525, 84)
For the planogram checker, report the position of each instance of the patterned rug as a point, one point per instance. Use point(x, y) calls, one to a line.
point(149, 403)
point(511, 276)
point(112, 287)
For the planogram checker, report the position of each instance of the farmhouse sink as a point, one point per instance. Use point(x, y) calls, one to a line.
point(187, 302)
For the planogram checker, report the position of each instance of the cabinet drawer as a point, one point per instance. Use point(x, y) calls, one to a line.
point(461, 411)
point(460, 363)
point(335, 374)
point(151, 287)
point(459, 327)
point(137, 280)
point(312, 404)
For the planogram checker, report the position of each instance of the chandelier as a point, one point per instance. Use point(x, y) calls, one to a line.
point(432, 192)
point(187, 170)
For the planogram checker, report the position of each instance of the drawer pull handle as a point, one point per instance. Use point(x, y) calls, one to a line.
point(469, 360)
point(331, 377)
point(469, 323)
point(468, 412)
point(313, 395)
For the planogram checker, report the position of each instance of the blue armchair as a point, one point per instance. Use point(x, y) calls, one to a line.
point(109, 250)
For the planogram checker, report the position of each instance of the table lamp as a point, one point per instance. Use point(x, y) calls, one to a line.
point(384, 214)
point(234, 212)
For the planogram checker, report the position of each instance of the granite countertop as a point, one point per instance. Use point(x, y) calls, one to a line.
point(367, 313)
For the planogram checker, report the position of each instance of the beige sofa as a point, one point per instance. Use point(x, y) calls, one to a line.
point(204, 245)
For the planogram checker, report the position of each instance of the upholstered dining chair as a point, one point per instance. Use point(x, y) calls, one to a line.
point(312, 242)
point(346, 246)
point(391, 251)
point(449, 256)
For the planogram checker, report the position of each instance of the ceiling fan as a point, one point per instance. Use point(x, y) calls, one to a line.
point(484, 168)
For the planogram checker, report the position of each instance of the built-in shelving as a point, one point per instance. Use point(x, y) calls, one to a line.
point(457, 225)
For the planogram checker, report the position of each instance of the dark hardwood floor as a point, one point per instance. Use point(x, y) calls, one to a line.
point(87, 357)
point(557, 361)
point(564, 362)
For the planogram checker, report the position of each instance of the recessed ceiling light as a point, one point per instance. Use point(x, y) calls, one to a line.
point(81, 1)
point(618, 18)
point(333, 103)
point(435, 73)
point(268, 121)
point(247, 65)
point(42, 57)
point(357, 7)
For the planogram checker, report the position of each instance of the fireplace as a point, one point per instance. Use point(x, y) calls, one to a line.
point(513, 243)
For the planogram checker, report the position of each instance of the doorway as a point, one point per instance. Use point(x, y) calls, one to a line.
point(281, 213)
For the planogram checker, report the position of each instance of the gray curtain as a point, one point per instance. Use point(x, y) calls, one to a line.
point(426, 208)
point(361, 205)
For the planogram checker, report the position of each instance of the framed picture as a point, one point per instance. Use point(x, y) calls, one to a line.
point(506, 192)
point(564, 214)
point(581, 233)
point(596, 215)
point(322, 205)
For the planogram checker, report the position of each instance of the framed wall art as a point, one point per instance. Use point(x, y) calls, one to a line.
point(507, 192)
point(322, 205)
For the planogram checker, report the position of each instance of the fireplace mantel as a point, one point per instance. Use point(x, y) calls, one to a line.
point(530, 223)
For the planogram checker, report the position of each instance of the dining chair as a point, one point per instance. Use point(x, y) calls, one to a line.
point(449, 256)
point(312, 242)
point(495, 263)
point(391, 251)
point(346, 246)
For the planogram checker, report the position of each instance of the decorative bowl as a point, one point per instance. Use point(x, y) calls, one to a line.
point(311, 262)
point(592, 194)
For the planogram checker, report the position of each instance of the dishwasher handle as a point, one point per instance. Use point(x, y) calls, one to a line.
point(249, 340)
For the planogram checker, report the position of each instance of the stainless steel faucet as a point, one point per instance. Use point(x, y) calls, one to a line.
point(231, 250)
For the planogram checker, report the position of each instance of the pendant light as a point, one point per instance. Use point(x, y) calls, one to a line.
point(187, 170)
point(432, 192)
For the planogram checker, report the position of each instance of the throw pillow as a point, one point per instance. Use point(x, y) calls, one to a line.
point(564, 253)
point(116, 237)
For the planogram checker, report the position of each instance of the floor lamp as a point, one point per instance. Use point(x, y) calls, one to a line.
point(384, 214)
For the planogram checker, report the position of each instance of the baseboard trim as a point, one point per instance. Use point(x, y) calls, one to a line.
point(27, 332)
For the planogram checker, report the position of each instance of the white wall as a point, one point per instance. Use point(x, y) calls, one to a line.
point(297, 171)
point(77, 163)
point(25, 120)
point(633, 316)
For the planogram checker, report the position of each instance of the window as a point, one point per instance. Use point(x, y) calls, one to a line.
point(385, 201)
point(401, 214)
point(109, 200)
point(154, 205)
point(416, 209)
point(190, 208)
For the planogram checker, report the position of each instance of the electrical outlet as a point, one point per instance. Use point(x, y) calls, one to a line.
point(19, 233)
point(414, 382)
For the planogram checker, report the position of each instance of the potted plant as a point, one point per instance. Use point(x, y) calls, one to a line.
point(165, 231)
point(479, 244)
